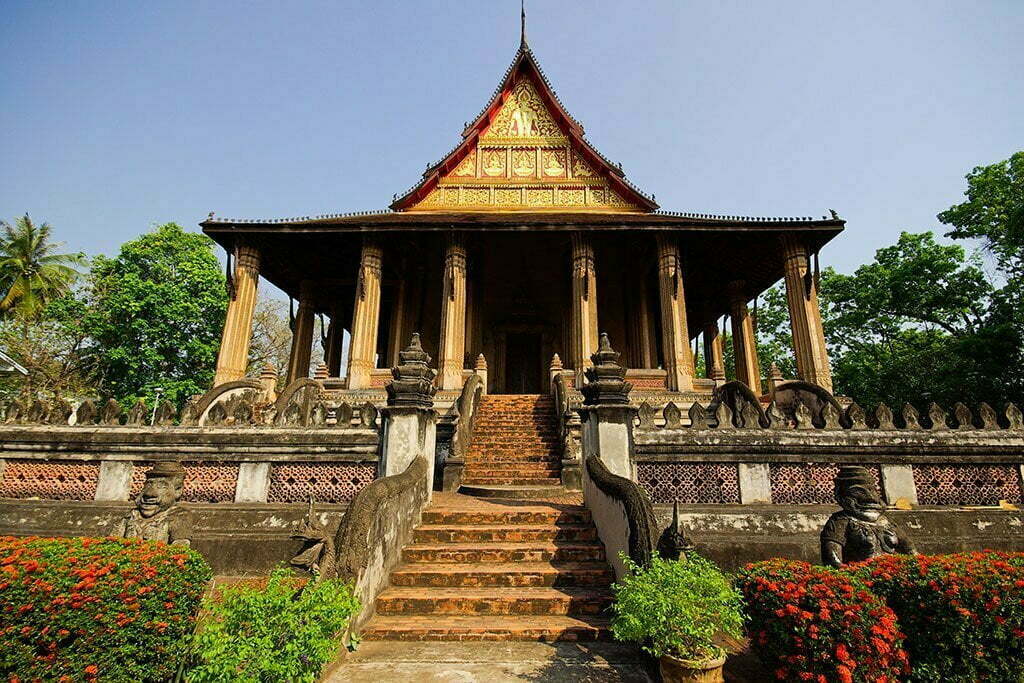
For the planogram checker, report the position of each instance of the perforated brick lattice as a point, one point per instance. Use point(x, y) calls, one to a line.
point(967, 484)
point(52, 480)
point(808, 483)
point(204, 482)
point(692, 483)
point(326, 482)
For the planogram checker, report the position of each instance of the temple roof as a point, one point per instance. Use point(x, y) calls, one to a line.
point(524, 152)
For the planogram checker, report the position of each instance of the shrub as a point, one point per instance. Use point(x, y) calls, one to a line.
point(283, 632)
point(810, 623)
point(96, 609)
point(963, 614)
point(679, 608)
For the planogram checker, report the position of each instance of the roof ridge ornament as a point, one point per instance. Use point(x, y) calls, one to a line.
point(522, 29)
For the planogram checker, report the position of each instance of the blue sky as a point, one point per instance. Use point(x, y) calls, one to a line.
point(118, 116)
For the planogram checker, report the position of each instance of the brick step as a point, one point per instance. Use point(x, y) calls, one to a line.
point(490, 441)
point(484, 533)
point(498, 469)
point(537, 551)
point(480, 601)
point(504, 492)
point(508, 515)
point(504, 575)
point(512, 481)
point(517, 424)
point(537, 628)
point(513, 456)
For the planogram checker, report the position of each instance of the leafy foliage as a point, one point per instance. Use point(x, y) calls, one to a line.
point(32, 273)
point(96, 609)
point(818, 624)
point(676, 607)
point(156, 314)
point(963, 614)
point(283, 632)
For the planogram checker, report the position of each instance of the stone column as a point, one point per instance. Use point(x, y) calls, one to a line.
point(302, 335)
point(584, 304)
point(396, 326)
point(714, 353)
point(452, 349)
point(812, 364)
point(335, 337)
point(641, 341)
point(744, 344)
point(674, 331)
point(365, 316)
point(233, 358)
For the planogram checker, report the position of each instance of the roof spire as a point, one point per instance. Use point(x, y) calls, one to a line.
point(522, 34)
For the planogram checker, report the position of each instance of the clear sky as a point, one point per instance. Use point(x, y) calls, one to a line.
point(119, 115)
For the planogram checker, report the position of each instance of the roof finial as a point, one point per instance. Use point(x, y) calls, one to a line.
point(522, 34)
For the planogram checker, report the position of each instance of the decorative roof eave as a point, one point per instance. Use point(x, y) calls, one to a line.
point(524, 59)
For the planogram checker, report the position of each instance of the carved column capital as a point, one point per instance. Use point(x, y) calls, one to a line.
point(248, 259)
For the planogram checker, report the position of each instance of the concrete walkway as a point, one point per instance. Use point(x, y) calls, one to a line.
point(494, 662)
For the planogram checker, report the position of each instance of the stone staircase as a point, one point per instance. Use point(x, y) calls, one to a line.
point(515, 449)
point(483, 569)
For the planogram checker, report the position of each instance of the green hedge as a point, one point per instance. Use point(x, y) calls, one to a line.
point(963, 614)
point(96, 609)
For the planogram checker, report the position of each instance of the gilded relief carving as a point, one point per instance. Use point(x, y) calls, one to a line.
point(580, 168)
point(540, 196)
point(523, 115)
point(467, 169)
point(493, 165)
point(553, 163)
point(524, 162)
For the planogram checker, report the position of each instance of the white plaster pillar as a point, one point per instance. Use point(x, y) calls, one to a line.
point(755, 482)
point(408, 432)
point(452, 350)
point(253, 482)
point(674, 330)
point(233, 356)
point(115, 480)
point(898, 482)
point(365, 316)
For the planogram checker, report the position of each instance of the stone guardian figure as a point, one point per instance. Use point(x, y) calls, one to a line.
point(157, 515)
point(860, 530)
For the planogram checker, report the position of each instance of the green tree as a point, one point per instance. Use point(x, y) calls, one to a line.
point(157, 310)
point(32, 271)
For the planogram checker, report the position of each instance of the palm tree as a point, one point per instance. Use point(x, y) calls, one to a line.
point(31, 272)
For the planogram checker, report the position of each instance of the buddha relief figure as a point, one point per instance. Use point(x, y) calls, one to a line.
point(156, 516)
point(552, 166)
point(860, 530)
point(493, 165)
point(523, 162)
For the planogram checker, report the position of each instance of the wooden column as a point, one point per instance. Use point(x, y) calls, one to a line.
point(396, 326)
point(452, 349)
point(365, 316)
point(714, 353)
point(332, 352)
point(584, 304)
point(302, 335)
point(744, 343)
point(674, 332)
point(233, 357)
point(812, 364)
point(641, 342)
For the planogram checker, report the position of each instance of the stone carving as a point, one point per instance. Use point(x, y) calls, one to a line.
point(138, 413)
point(1014, 418)
point(368, 416)
point(802, 416)
point(165, 414)
point(672, 416)
point(318, 554)
point(776, 420)
point(673, 543)
point(111, 414)
point(744, 407)
point(87, 413)
point(883, 417)
point(606, 380)
point(646, 415)
point(190, 413)
point(60, 411)
point(217, 415)
point(723, 416)
point(750, 418)
point(38, 412)
point(343, 416)
point(937, 416)
point(157, 516)
point(989, 420)
point(964, 419)
point(860, 530)
point(698, 416)
point(911, 418)
point(413, 383)
point(855, 417)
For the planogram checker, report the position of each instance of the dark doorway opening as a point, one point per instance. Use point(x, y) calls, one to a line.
point(523, 366)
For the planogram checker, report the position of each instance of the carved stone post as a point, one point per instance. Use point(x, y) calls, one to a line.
point(410, 421)
point(233, 358)
point(396, 326)
point(674, 331)
point(584, 304)
point(606, 413)
point(302, 335)
point(365, 316)
point(641, 340)
point(744, 343)
point(714, 353)
point(453, 315)
point(812, 364)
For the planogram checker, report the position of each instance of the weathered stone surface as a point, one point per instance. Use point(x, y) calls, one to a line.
point(413, 383)
point(606, 380)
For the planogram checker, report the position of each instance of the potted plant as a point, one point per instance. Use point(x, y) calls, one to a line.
point(680, 611)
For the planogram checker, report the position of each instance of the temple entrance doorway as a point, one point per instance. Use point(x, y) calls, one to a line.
point(523, 372)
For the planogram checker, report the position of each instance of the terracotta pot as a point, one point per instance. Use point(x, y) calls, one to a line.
point(674, 670)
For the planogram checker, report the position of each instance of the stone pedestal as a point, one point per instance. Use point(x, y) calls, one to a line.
point(233, 357)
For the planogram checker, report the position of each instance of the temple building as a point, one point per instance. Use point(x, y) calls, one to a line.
point(521, 244)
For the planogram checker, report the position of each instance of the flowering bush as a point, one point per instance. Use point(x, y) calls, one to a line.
point(86, 609)
point(809, 623)
point(963, 614)
point(281, 632)
point(676, 607)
